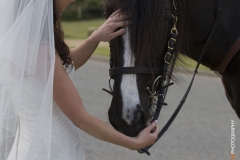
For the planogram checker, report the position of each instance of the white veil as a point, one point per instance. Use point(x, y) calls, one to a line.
point(27, 57)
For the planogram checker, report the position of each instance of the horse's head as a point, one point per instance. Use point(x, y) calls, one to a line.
point(143, 45)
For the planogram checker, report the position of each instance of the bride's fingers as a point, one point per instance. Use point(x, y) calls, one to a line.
point(155, 131)
point(122, 24)
point(117, 33)
point(116, 12)
point(119, 16)
point(113, 15)
point(122, 17)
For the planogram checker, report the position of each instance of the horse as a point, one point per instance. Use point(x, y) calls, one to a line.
point(146, 43)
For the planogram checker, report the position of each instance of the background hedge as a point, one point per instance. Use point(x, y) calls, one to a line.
point(89, 9)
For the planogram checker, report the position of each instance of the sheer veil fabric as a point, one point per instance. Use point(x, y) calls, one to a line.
point(27, 57)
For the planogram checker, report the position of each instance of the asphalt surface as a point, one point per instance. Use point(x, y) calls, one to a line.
point(202, 130)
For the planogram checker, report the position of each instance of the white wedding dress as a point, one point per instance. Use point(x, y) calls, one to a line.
point(65, 138)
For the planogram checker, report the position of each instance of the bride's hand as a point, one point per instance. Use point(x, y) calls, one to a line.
point(148, 136)
point(111, 28)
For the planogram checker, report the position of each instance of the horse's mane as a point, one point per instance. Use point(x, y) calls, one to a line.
point(150, 28)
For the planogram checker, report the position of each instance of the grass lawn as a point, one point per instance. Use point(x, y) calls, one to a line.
point(102, 51)
point(189, 63)
point(79, 29)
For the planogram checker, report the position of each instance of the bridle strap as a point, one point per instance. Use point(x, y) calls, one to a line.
point(165, 128)
point(133, 70)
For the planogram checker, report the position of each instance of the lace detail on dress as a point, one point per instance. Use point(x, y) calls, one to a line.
point(70, 70)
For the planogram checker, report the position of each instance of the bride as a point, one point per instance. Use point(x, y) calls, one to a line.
point(41, 112)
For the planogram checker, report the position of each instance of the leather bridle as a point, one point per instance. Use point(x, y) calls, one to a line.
point(161, 85)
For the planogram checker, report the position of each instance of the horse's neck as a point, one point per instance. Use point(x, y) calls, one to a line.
point(202, 16)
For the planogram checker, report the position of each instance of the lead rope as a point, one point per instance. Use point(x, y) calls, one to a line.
point(165, 128)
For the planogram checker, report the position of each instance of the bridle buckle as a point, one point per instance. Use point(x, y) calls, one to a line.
point(167, 58)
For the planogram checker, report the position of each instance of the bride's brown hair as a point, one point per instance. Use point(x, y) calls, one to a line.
point(61, 47)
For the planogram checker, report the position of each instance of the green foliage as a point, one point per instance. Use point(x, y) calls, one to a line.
point(83, 9)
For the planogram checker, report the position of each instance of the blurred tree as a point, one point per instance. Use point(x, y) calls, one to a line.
point(83, 9)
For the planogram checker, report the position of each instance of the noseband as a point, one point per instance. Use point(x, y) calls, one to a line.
point(161, 84)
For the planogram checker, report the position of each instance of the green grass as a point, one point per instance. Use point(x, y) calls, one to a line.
point(79, 29)
point(102, 51)
point(189, 63)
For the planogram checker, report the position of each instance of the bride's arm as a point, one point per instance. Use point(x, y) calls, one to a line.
point(83, 52)
point(67, 98)
point(106, 32)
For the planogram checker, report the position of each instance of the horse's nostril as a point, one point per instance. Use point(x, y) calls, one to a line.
point(139, 118)
point(139, 115)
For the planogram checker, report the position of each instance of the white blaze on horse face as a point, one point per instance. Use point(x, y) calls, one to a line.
point(130, 96)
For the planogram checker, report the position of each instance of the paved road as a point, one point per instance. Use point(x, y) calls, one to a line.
point(202, 130)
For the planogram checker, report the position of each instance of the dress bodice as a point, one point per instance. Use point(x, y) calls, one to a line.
point(65, 137)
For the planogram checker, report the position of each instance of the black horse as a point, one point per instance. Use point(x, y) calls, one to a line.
point(145, 45)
